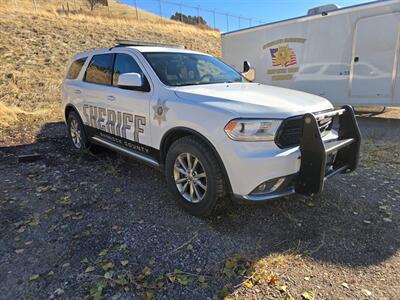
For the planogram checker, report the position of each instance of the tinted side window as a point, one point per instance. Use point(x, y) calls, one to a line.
point(100, 69)
point(125, 63)
point(76, 68)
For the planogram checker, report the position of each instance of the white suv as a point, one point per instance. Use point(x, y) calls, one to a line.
point(213, 132)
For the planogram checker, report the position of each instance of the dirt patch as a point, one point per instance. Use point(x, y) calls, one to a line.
point(76, 226)
point(378, 112)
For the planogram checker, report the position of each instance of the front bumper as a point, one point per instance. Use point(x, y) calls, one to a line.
point(316, 163)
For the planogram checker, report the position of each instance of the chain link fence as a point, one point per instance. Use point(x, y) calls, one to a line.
point(165, 9)
point(214, 19)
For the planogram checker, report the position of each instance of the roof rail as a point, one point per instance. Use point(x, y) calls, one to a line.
point(125, 43)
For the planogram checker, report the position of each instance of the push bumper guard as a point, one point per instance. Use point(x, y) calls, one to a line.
point(320, 160)
point(314, 167)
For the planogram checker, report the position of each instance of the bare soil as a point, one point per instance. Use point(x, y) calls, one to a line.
point(76, 225)
point(379, 112)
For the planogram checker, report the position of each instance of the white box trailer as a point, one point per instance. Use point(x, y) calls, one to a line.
point(348, 55)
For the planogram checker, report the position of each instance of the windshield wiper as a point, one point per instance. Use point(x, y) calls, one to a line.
point(198, 83)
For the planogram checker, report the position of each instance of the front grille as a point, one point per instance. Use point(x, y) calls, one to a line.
point(290, 131)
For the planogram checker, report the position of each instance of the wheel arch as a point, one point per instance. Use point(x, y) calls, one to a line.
point(68, 109)
point(176, 133)
point(71, 108)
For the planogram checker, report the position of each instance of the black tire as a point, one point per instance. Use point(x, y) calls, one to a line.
point(84, 145)
point(215, 184)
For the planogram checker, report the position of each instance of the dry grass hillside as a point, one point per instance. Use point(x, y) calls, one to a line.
point(36, 45)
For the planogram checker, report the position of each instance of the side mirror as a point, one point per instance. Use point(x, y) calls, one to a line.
point(248, 72)
point(130, 81)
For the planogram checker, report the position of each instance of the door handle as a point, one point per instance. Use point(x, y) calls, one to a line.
point(111, 98)
point(78, 92)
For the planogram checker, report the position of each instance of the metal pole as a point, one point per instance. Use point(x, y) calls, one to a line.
point(214, 18)
point(137, 15)
point(160, 9)
point(180, 10)
point(227, 22)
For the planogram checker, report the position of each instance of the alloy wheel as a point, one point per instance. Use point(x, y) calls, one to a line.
point(190, 177)
point(75, 132)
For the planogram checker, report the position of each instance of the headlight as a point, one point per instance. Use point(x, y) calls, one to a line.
point(252, 130)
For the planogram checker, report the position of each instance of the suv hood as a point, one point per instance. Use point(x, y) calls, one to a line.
point(254, 99)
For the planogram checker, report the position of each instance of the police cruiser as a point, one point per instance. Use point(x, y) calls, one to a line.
point(212, 131)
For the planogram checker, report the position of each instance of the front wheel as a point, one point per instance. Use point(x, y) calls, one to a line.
point(194, 176)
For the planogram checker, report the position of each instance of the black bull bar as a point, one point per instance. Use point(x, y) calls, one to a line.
point(315, 152)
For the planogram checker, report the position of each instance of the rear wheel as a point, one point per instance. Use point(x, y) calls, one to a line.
point(194, 176)
point(76, 132)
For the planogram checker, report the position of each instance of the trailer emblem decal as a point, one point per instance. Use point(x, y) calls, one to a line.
point(285, 53)
point(283, 56)
point(160, 111)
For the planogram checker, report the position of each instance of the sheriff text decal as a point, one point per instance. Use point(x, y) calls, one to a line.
point(122, 124)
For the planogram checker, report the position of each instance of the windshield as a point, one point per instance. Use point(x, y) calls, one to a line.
point(179, 69)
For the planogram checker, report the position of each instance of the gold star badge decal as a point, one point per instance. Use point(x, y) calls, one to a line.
point(160, 111)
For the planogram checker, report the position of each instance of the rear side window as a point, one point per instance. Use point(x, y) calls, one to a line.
point(125, 63)
point(100, 69)
point(76, 68)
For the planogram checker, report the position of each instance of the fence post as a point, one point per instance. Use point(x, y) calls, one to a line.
point(160, 9)
point(180, 10)
point(137, 15)
point(214, 18)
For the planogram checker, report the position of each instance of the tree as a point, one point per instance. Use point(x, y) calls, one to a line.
point(93, 3)
point(188, 19)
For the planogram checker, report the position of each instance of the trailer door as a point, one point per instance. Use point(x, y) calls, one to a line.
point(375, 51)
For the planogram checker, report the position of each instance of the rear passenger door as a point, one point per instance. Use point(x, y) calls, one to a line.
point(95, 87)
point(116, 115)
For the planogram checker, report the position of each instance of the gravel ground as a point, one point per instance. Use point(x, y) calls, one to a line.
point(101, 225)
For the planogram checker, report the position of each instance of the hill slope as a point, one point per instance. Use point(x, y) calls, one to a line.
point(36, 46)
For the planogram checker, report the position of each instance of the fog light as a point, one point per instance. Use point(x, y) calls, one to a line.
point(269, 186)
